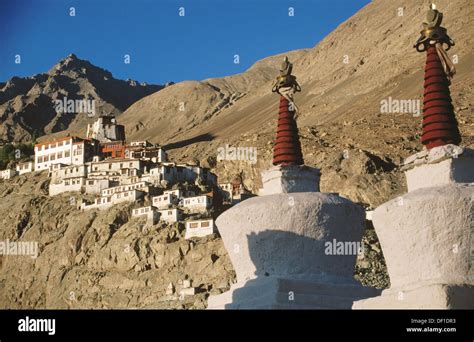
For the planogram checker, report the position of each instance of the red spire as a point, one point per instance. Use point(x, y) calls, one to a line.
point(439, 122)
point(287, 148)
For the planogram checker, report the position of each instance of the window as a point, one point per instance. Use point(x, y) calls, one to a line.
point(170, 213)
point(46, 147)
point(60, 143)
point(40, 159)
point(205, 224)
point(67, 142)
point(193, 225)
point(53, 156)
point(67, 154)
point(60, 155)
point(46, 158)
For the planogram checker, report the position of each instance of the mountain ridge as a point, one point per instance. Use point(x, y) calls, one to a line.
point(27, 107)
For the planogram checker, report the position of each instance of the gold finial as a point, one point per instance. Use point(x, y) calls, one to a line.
point(433, 32)
point(286, 79)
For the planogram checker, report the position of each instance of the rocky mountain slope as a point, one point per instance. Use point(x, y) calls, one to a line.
point(366, 60)
point(27, 106)
point(107, 259)
point(99, 259)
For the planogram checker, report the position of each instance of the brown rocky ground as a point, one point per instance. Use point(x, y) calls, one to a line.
point(97, 259)
point(106, 259)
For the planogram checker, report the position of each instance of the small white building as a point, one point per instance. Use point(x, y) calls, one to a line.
point(146, 151)
point(171, 215)
point(25, 167)
point(164, 201)
point(59, 172)
point(190, 173)
point(143, 186)
point(105, 202)
point(151, 213)
point(197, 203)
point(117, 165)
point(180, 194)
point(226, 191)
point(199, 228)
point(69, 184)
point(234, 192)
point(96, 185)
point(8, 173)
point(161, 173)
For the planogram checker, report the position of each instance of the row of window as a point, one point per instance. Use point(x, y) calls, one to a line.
point(198, 200)
point(96, 168)
point(204, 224)
point(72, 182)
point(142, 210)
point(71, 169)
point(59, 144)
point(159, 199)
point(53, 156)
point(124, 188)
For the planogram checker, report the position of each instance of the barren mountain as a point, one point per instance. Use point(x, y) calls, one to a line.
point(367, 59)
point(27, 105)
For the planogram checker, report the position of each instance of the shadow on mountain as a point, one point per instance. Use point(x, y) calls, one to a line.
point(190, 141)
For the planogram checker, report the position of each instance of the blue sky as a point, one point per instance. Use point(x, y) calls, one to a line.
point(162, 45)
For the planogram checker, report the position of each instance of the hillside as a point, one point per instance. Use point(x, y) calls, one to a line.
point(99, 259)
point(340, 103)
point(105, 259)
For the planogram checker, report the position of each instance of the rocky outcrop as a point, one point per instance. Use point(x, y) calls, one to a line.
point(100, 259)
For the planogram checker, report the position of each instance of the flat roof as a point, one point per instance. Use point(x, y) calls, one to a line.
point(74, 138)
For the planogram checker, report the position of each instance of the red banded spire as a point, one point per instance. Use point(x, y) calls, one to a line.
point(440, 126)
point(287, 147)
